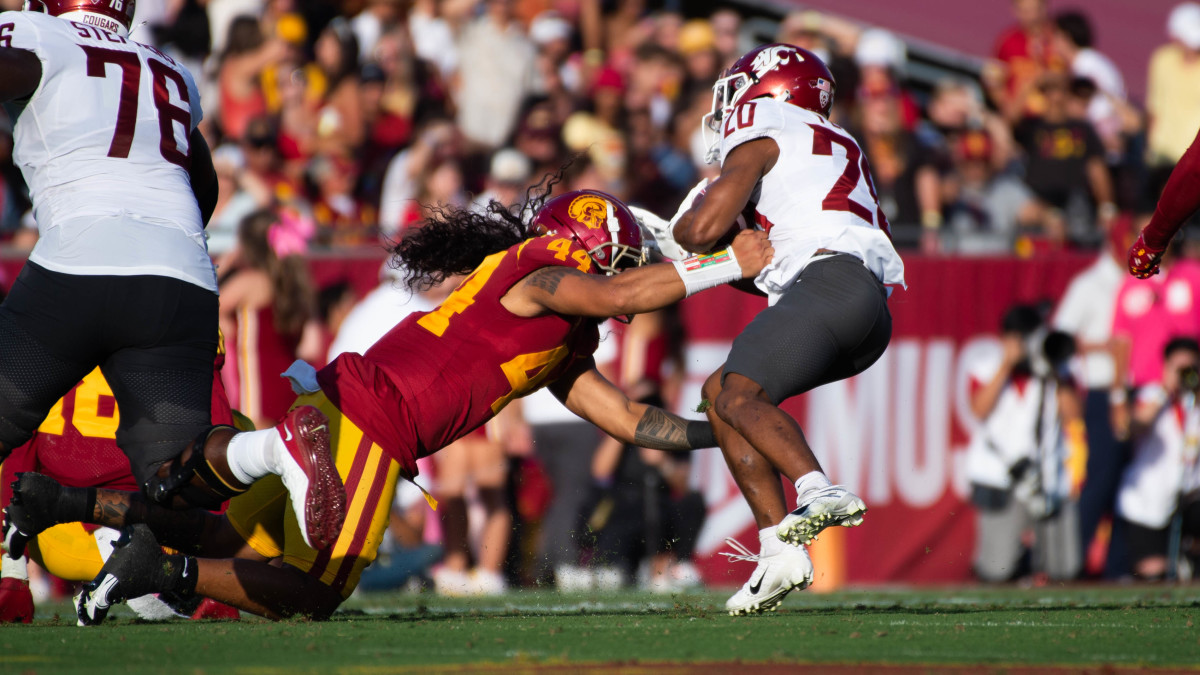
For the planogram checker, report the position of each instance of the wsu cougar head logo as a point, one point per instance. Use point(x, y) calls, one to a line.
point(770, 59)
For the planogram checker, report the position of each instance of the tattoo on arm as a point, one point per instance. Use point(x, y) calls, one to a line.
point(660, 430)
point(181, 530)
point(111, 508)
point(547, 278)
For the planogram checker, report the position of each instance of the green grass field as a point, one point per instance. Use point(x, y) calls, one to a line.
point(1131, 629)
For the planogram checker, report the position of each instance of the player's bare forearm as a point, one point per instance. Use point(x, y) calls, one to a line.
point(644, 289)
point(574, 293)
point(590, 395)
point(661, 430)
point(717, 210)
point(187, 531)
point(20, 73)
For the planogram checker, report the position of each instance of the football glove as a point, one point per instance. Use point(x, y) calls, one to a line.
point(1144, 260)
point(656, 233)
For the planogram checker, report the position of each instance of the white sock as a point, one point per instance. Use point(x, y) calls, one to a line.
point(768, 541)
point(13, 568)
point(254, 454)
point(809, 483)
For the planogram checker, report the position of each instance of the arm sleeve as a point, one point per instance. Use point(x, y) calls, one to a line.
point(1180, 199)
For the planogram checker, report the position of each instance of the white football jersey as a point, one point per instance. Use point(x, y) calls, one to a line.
point(103, 143)
point(818, 195)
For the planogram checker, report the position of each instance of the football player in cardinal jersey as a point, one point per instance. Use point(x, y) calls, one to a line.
point(76, 444)
point(1180, 199)
point(804, 181)
point(526, 317)
point(122, 184)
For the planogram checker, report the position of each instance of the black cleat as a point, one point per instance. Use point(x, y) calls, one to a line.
point(135, 568)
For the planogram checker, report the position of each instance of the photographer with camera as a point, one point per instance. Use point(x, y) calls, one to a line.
point(1025, 460)
point(1162, 483)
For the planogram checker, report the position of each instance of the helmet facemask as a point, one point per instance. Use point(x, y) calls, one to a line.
point(619, 256)
point(725, 98)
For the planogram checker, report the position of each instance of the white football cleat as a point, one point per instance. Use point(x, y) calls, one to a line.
point(830, 506)
point(310, 476)
point(777, 574)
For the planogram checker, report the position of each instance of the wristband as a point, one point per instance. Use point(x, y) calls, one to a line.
point(701, 272)
point(1118, 396)
point(700, 435)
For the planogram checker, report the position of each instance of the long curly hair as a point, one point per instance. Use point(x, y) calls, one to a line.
point(455, 240)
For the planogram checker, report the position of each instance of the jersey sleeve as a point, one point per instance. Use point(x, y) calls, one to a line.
point(760, 118)
point(18, 32)
point(193, 98)
point(550, 251)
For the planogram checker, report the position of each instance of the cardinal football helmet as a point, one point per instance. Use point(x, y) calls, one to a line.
point(115, 16)
point(783, 72)
point(602, 225)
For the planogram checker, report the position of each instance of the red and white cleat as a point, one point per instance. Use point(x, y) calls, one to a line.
point(310, 476)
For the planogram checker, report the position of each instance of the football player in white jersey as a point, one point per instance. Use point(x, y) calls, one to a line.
point(104, 131)
point(791, 172)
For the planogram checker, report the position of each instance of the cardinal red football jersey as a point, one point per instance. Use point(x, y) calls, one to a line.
point(438, 375)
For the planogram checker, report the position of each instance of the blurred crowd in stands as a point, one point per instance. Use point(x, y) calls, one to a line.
point(338, 125)
point(359, 114)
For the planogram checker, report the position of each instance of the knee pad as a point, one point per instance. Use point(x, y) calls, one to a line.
point(191, 478)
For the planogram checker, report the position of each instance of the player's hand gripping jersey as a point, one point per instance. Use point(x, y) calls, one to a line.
point(132, 112)
point(819, 194)
point(438, 375)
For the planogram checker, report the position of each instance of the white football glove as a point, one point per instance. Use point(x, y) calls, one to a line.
point(657, 233)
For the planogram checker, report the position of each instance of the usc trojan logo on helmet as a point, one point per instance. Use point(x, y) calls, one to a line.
point(590, 210)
